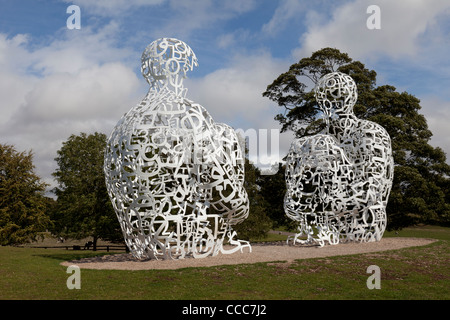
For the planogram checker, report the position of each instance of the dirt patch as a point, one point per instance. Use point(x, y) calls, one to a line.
point(282, 254)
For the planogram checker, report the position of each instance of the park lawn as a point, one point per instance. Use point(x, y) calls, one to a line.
point(410, 273)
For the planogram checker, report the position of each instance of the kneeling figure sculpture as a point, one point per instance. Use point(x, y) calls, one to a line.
point(338, 182)
point(174, 176)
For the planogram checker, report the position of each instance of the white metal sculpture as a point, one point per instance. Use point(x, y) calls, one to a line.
point(174, 176)
point(338, 182)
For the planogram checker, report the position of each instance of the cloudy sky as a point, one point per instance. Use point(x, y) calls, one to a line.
point(56, 81)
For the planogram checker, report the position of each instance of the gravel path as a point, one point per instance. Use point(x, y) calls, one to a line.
point(260, 253)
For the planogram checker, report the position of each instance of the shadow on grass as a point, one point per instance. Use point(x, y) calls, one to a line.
point(72, 256)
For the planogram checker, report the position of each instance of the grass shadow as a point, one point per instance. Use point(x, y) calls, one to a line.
point(72, 256)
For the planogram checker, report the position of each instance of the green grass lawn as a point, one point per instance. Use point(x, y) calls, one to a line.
point(411, 273)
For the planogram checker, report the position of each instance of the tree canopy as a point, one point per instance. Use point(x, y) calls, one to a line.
point(258, 223)
point(420, 192)
point(273, 188)
point(22, 201)
point(83, 206)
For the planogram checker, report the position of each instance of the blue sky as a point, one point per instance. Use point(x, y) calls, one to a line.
point(56, 82)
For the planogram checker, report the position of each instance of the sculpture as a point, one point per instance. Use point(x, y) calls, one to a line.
point(338, 182)
point(174, 176)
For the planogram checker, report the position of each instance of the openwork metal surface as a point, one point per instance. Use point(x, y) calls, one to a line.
point(338, 182)
point(174, 176)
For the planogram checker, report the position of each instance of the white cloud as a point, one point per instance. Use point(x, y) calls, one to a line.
point(112, 7)
point(403, 23)
point(283, 15)
point(80, 49)
point(232, 40)
point(14, 81)
point(189, 16)
point(437, 113)
point(13, 47)
point(92, 92)
point(235, 91)
point(72, 85)
point(233, 94)
point(226, 40)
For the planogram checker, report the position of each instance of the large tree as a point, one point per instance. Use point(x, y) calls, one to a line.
point(258, 223)
point(83, 206)
point(273, 188)
point(22, 201)
point(421, 188)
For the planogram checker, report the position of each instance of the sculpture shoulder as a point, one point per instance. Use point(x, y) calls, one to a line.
point(372, 126)
point(192, 107)
point(374, 131)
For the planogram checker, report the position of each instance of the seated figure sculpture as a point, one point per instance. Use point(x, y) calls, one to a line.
point(174, 176)
point(338, 181)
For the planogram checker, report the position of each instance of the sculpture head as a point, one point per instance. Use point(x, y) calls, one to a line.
point(336, 93)
point(166, 61)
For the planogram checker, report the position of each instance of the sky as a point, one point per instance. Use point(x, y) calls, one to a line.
point(56, 81)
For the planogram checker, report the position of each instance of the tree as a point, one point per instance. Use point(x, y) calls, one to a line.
point(273, 189)
point(420, 192)
point(258, 224)
point(22, 201)
point(83, 205)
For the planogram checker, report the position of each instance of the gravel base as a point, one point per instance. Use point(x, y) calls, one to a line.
point(274, 251)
